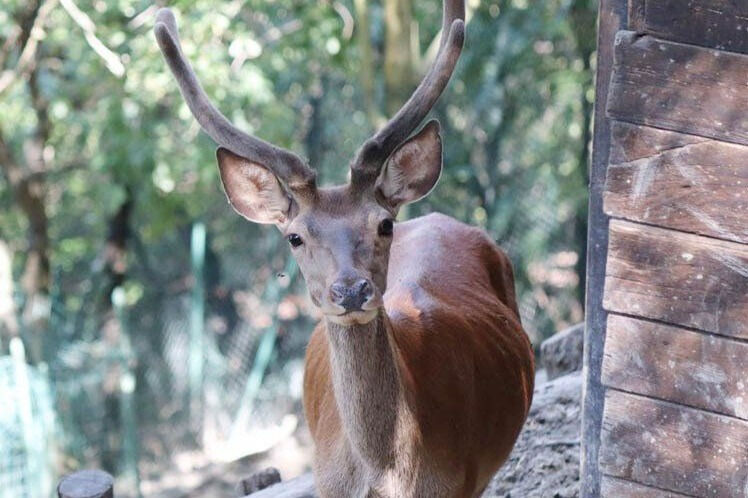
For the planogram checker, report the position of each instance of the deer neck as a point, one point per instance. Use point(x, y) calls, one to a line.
point(367, 387)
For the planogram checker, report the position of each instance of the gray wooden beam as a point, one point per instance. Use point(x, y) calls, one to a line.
point(613, 16)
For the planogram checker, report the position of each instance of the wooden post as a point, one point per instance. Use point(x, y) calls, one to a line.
point(612, 17)
point(86, 484)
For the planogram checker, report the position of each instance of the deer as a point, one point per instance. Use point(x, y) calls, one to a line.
point(419, 376)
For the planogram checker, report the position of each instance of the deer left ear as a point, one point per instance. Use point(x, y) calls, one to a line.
point(253, 190)
point(413, 169)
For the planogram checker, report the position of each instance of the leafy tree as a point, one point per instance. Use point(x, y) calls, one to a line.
point(104, 170)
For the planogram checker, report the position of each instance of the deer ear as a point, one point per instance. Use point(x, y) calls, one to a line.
point(413, 169)
point(253, 191)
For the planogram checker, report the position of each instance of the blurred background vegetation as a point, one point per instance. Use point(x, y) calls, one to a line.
point(140, 318)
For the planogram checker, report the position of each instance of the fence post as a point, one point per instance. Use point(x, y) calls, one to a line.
point(29, 428)
point(197, 324)
point(86, 484)
point(130, 475)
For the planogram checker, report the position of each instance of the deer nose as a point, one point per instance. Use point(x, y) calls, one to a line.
point(351, 296)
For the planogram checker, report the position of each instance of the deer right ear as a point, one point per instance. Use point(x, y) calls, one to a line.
point(253, 191)
point(413, 169)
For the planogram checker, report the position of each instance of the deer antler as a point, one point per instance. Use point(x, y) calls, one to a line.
point(286, 165)
point(376, 150)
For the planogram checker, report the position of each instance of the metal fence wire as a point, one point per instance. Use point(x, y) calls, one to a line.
point(183, 372)
point(128, 395)
point(28, 428)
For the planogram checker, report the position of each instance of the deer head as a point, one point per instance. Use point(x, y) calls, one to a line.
point(341, 235)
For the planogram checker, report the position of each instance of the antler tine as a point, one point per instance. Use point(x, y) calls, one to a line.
point(285, 164)
point(378, 148)
point(452, 11)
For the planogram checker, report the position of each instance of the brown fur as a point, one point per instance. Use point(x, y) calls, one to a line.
point(420, 377)
point(464, 364)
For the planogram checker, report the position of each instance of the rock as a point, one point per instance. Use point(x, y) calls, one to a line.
point(545, 459)
point(300, 487)
point(259, 481)
point(563, 352)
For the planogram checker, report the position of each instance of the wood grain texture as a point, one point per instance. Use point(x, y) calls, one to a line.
point(678, 278)
point(612, 17)
point(720, 24)
point(674, 364)
point(678, 181)
point(673, 447)
point(616, 488)
point(636, 15)
point(680, 87)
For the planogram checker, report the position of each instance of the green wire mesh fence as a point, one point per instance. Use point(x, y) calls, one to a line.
point(155, 379)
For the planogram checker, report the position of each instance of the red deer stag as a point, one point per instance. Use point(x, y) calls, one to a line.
point(420, 376)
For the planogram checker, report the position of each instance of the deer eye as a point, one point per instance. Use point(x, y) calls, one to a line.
point(294, 240)
point(386, 227)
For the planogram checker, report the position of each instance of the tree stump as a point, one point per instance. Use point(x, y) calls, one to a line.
point(86, 484)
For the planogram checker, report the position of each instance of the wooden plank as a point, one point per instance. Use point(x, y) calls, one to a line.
point(672, 180)
point(679, 87)
point(678, 278)
point(636, 15)
point(612, 17)
point(617, 488)
point(673, 447)
point(674, 364)
point(720, 24)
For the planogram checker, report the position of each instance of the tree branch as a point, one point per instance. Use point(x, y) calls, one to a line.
point(8, 45)
point(347, 17)
point(19, 33)
point(111, 59)
point(27, 60)
point(11, 169)
point(366, 72)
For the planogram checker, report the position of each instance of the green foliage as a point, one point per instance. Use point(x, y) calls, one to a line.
point(515, 118)
point(516, 121)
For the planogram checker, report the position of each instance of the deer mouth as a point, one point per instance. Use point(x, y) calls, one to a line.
point(353, 317)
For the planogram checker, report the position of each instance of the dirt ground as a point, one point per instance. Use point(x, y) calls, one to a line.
point(543, 464)
point(195, 477)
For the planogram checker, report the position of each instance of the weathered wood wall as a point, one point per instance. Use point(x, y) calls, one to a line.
point(666, 401)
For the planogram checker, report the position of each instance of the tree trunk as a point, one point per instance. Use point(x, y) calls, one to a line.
point(28, 184)
point(115, 249)
point(399, 64)
point(315, 137)
point(114, 256)
point(32, 198)
point(366, 72)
